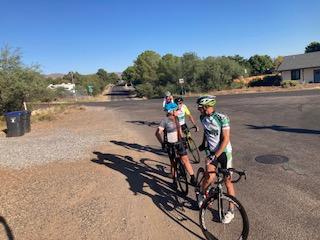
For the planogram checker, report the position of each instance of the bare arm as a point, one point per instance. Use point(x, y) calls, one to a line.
point(192, 120)
point(158, 134)
point(225, 141)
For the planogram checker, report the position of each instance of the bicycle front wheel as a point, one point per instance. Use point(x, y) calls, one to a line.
point(199, 177)
point(212, 214)
point(182, 178)
point(193, 150)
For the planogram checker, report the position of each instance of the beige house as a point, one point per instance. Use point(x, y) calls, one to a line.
point(303, 67)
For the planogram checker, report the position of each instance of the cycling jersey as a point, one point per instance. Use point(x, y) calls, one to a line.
point(182, 112)
point(170, 127)
point(213, 126)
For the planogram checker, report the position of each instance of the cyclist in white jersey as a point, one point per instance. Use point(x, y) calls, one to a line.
point(217, 138)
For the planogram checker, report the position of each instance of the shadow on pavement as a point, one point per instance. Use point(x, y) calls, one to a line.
point(147, 123)
point(142, 176)
point(7, 228)
point(139, 148)
point(285, 129)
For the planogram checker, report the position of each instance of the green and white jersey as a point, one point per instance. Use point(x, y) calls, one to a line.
point(213, 126)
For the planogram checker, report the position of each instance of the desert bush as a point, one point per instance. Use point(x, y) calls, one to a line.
point(238, 85)
point(289, 83)
point(146, 90)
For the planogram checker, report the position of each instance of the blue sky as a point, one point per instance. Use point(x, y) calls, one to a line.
point(83, 36)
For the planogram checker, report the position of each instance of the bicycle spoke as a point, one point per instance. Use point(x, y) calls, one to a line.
point(182, 179)
point(211, 220)
point(194, 150)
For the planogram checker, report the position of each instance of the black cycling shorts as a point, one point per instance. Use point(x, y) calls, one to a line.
point(180, 148)
point(222, 159)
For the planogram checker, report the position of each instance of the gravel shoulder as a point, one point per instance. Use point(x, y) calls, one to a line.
point(66, 180)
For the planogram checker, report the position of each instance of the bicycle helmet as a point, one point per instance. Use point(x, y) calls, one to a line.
point(170, 107)
point(178, 99)
point(209, 101)
point(168, 94)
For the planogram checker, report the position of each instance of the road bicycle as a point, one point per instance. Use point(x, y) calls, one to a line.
point(179, 172)
point(191, 145)
point(217, 204)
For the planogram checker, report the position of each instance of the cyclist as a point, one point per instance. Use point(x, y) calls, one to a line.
point(167, 99)
point(217, 137)
point(170, 126)
point(182, 112)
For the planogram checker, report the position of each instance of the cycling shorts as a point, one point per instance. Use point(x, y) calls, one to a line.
point(225, 160)
point(179, 147)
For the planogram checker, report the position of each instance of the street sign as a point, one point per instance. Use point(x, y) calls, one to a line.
point(90, 89)
point(181, 80)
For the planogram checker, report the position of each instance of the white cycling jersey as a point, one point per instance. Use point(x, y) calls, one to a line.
point(213, 126)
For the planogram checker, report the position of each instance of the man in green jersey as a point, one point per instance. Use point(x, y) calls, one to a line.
point(217, 138)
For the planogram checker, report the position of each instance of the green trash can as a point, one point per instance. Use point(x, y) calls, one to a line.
point(14, 124)
point(26, 121)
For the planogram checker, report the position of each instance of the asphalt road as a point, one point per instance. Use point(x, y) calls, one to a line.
point(282, 199)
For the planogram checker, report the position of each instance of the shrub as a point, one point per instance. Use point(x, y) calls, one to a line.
point(289, 83)
point(238, 85)
point(145, 90)
point(270, 80)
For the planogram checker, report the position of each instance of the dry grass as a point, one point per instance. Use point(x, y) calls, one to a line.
point(52, 113)
point(3, 124)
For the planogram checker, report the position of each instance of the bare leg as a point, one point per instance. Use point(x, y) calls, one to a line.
point(209, 178)
point(230, 189)
point(187, 164)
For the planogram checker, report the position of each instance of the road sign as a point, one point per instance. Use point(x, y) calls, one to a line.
point(90, 89)
point(181, 80)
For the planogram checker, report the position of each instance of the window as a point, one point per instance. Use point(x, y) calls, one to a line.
point(295, 74)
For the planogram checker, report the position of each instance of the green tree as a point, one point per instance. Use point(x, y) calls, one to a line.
point(219, 73)
point(19, 82)
point(130, 74)
point(146, 67)
point(192, 68)
point(313, 47)
point(261, 64)
point(113, 78)
point(169, 70)
point(102, 74)
point(277, 61)
point(243, 62)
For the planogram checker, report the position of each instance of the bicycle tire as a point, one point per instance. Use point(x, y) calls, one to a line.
point(182, 179)
point(214, 229)
point(199, 176)
point(193, 150)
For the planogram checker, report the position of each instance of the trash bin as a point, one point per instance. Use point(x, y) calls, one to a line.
point(14, 124)
point(26, 121)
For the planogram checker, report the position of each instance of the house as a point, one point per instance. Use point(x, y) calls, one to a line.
point(66, 86)
point(302, 67)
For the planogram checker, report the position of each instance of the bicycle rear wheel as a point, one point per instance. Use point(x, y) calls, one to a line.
point(182, 178)
point(212, 212)
point(193, 150)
